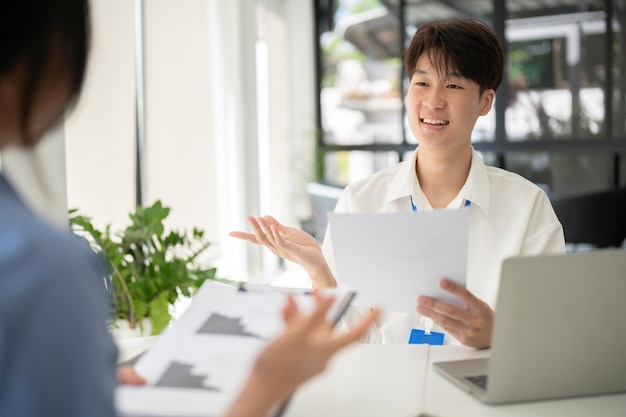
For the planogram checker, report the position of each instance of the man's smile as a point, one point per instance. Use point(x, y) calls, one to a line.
point(435, 121)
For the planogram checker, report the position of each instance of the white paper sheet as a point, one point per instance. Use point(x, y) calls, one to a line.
point(197, 366)
point(390, 259)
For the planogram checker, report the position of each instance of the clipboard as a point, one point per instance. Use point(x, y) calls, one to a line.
point(343, 300)
point(198, 365)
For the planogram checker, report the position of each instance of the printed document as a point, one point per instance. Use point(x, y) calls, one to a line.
point(198, 365)
point(389, 259)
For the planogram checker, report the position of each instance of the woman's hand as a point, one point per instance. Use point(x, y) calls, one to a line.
point(299, 353)
point(292, 244)
point(126, 375)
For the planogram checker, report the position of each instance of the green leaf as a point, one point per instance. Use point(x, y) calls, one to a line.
point(159, 313)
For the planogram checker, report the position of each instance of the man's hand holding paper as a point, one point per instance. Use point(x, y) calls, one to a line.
point(471, 325)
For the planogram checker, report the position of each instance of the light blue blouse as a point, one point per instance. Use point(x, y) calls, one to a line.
point(57, 357)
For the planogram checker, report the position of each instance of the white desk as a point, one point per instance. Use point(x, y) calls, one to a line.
point(366, 380)
point(399, 381)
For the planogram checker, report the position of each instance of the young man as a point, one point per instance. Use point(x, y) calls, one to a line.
point(454, 67)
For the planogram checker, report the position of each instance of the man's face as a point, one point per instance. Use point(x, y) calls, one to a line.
point(443, 111)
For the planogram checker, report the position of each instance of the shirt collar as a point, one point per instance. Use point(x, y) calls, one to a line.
point(401, 186)
point(475, 189)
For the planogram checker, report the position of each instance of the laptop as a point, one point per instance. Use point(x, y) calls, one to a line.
point(559, 330)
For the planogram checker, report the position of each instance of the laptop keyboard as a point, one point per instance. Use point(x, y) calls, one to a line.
point(480, 380)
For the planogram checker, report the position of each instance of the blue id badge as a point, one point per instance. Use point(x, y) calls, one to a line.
point(420, 337)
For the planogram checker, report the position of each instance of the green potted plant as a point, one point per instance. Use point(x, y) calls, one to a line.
point(149, 268)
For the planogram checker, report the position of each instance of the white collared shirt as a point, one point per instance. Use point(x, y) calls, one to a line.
point(509, 216)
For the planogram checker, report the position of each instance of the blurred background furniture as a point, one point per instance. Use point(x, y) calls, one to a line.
point(323, 200)
point(597, 219)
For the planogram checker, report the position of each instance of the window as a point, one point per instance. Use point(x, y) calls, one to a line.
point(558, 118)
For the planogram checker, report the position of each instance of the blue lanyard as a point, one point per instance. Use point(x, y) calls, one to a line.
point(414, 207)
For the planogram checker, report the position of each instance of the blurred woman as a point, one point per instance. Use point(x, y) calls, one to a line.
point(57, 357)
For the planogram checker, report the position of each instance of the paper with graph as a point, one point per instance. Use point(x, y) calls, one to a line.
point(198, 365)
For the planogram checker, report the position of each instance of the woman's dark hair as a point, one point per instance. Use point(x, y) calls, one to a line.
point(463, 45)
point(29, 32)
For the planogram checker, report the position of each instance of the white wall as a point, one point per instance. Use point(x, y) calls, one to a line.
point(100, 134)
point(180, 167)
point(101, 147)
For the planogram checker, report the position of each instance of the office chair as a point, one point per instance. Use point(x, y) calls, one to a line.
point(597, 219)
point(323, 200)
